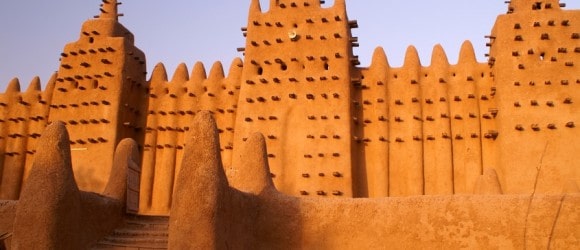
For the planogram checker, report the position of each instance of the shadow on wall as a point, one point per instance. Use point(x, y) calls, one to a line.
point(52, 212)
point(208, 213)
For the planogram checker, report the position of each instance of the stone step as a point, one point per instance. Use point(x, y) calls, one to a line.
point(133, 241)
point(137, 232)
point(142, 226)
point(147, 222)
point(123, 232)
point(112, 247)
point(149, 243)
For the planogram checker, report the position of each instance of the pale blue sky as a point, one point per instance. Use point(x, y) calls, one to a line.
point(33, 32)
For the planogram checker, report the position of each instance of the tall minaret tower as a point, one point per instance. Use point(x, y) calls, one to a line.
point(98, 93)
point(534, 57)
point(296, 90)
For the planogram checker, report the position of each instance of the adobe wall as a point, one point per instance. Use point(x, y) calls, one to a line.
point(23, 116)
point(424, 126)
point(535, 51)
point(7, 214)
point(172, 105)
point(418, 222)
point(247, 211)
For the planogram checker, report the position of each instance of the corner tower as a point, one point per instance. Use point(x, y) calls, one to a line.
point(534, 57)
point(296, 90)
point(100, 79)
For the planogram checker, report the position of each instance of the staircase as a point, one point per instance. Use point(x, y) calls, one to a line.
point(137, 232)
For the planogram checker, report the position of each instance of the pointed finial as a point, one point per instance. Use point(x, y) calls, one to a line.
point(467, 54)
point(126, 157)
point(217, 71)
point(198, 73)
point(13, 86)
point(438, 56)
point(34, 85)
point(255, 7)
point(379, 58)
point(181, 75)
point(253, 173)
point(109, 10)
point(159, 74)
point(412, 58)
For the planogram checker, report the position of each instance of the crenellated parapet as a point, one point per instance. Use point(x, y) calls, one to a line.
point(23, 116)
point(424, 126)
point(172, 105)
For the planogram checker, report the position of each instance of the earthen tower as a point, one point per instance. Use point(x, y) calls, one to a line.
point(99, 94)
point(296, 90)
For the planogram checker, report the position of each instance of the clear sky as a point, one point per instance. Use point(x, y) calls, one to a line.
point(33, 32)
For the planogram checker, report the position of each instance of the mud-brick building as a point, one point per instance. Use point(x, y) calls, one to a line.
point(429, 135)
